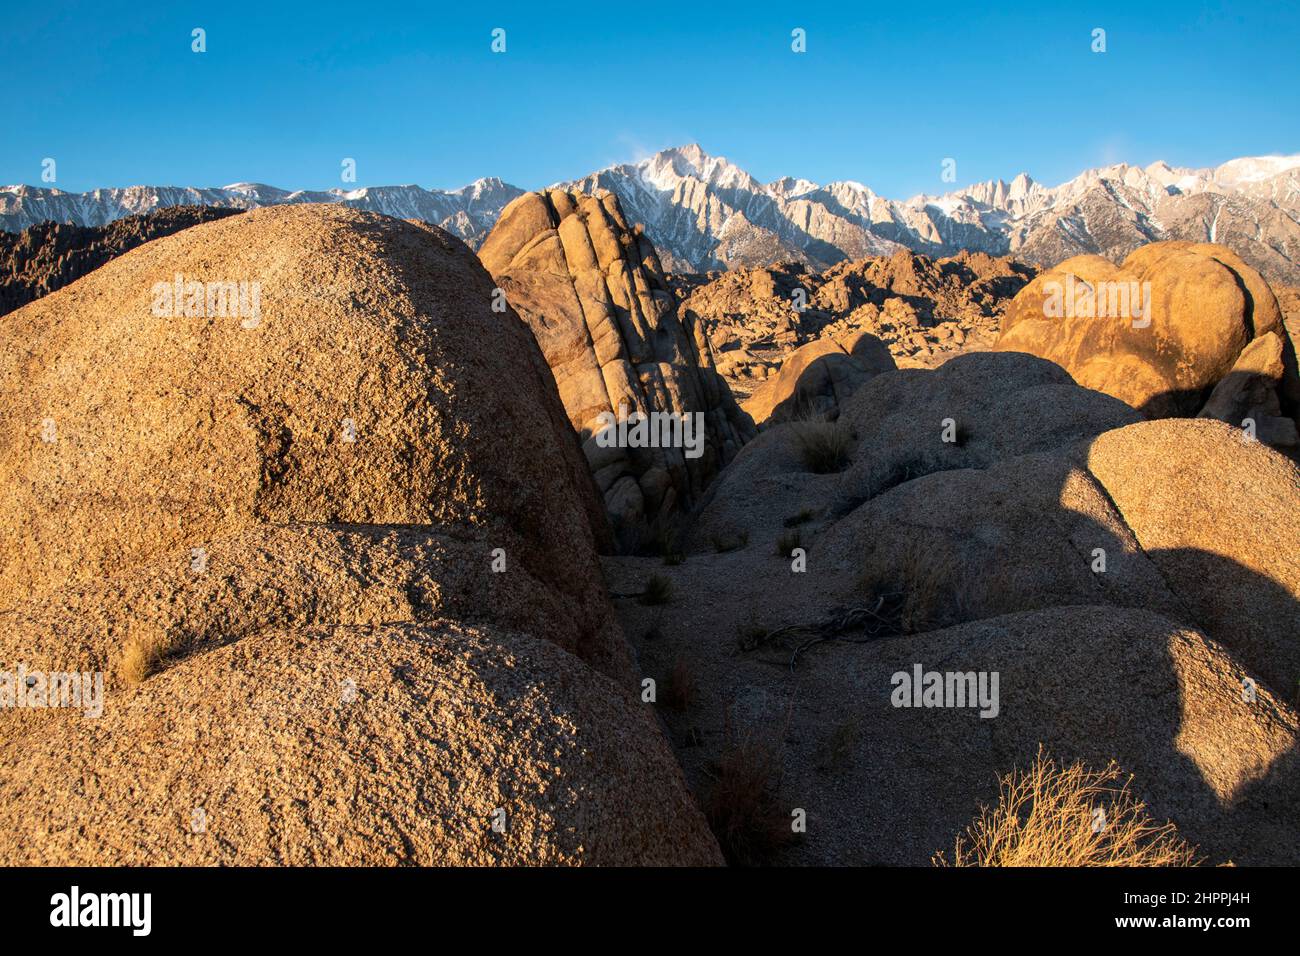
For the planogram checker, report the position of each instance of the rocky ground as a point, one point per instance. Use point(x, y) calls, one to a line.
point(1128, 579)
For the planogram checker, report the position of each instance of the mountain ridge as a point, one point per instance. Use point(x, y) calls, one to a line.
point(705, 213)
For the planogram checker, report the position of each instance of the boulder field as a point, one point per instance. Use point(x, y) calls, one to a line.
point(364, 588)
point(1134, 584)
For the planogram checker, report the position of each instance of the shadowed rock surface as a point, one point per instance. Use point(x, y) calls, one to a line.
point(1219, 515)
point(971, 412)
point(1134, 585)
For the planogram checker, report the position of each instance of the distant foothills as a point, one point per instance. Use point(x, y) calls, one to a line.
point(704, 213)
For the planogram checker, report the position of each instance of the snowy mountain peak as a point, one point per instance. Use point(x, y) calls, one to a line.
point(467, 212)
point(1021, 187)
point(667, 167)
point(788, 187)
point(1253, 169)
point(704, 212)
point(692, 154)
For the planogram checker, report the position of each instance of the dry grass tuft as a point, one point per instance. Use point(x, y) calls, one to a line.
point(143, 654)
point(680, 689)
point(926, 586)
point(924, 591)
point(823, 446)
point(1048, 816)
point(658, 590)
point(788, 541)
point(742, 807)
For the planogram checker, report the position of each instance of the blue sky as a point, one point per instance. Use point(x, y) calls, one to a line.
point(414, 94)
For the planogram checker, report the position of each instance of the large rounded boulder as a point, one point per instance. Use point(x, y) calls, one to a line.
point(1219, 515)
point(370, 382)
point(1158, 332)
point(430, 745)
point(818, 378)
point(1094, 684)
point(332, 552)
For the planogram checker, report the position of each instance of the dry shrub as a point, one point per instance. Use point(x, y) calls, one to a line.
point(788, 541)
point(925, 587)
point(658, 590)
point(681, 689)
point(1046, 816)
point(742, 806)
point(144, 653)
point(920, 592)
point(823, 445)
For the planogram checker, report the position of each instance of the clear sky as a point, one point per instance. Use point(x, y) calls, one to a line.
point(884, 93)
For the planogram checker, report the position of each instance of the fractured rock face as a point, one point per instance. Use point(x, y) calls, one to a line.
point(593, 292)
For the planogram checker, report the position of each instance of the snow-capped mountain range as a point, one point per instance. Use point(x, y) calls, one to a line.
point(469, 212)
point(704, 213)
